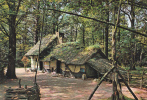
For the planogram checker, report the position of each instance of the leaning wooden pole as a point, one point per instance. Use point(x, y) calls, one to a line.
point(104, 22)
point(105, 75)
point(38, 58)
point(127, 85)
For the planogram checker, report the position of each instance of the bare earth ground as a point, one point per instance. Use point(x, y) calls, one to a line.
point(61, 88)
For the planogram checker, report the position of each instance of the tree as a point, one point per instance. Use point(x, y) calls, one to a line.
point(37, 31)
point(107, 30)
point(117, 94)
point(13, 11)
point(10, 21)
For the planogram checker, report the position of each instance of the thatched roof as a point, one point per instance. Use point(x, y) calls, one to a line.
point(103, 65)
point(75, 54)
point(72, 53)
point(100, 64)
point(45, 43)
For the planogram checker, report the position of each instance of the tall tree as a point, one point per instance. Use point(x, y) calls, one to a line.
point(107, 30)
point(37, 31)
point(10, 19)
point(132, 67)
point(117, 92)
point(13, 11)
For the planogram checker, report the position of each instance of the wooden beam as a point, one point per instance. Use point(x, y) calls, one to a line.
point(104, 22)
point(105, 75)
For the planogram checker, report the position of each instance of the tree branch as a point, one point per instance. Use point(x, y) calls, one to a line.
point(61, 20)
point(5, 31)
point(126, 14)
point(18, 6)
point(20, 19)
point(138, 4)
point(8, 3)
point(131, 30)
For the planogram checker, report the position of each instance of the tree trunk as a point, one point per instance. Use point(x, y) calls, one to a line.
point(71, 33)
point(83, 35)
point(117, 94)
point(141, 57)
point(76, 33)
point(132, 67)
point(54, 25)
point(13, 9)
point(93, 39)
point(37, 24)
point(106, 33)
point(12, 48)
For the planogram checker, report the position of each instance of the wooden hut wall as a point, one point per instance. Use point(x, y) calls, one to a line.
point(46, 65)
point(53, 65)
point(63, 66)
point(76, 70)
point(90, 72)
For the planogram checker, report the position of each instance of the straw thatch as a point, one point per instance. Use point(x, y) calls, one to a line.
point(46, 42)
point(72, 53)
point(102, 65)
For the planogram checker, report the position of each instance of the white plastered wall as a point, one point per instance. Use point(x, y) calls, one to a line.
point(34, 60)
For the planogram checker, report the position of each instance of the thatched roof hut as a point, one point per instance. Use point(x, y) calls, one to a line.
point(73, 53)
point(46, 42)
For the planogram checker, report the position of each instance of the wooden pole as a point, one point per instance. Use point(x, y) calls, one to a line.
point(100, 82)
point(19, 83)
point(141, 81)
point(128, 74)
point(104, 22)
point(38, 58)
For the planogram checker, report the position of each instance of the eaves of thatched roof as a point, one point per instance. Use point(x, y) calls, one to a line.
point(103, 65)
point(45, 43)
point(72, 53)
point(100, 64)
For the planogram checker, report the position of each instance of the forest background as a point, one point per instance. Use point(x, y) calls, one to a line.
point(90, 22)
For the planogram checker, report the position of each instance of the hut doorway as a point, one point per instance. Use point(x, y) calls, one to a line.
point(41, 65)
point(58, 66)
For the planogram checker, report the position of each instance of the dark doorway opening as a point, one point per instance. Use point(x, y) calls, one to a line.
point(41, 65)
point(58, 66)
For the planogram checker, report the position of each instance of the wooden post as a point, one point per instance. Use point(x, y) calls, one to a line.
point(128, 74)
point(25, 86)
point(19, 83)
point(141, 81)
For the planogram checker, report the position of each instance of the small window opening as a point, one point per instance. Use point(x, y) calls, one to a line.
point(82, 69)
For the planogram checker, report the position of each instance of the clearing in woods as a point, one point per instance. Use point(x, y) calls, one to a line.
point(62, 88)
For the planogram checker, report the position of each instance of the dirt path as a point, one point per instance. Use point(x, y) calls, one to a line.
point(61, 88)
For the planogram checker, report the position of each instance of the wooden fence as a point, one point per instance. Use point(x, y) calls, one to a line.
point(138, 77)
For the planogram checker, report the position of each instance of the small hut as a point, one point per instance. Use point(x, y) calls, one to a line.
point(77, 60)
point(47, 43)
point(70, 58)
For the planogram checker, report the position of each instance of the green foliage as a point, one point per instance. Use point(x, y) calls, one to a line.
point(75, 29)
point(92, 47)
